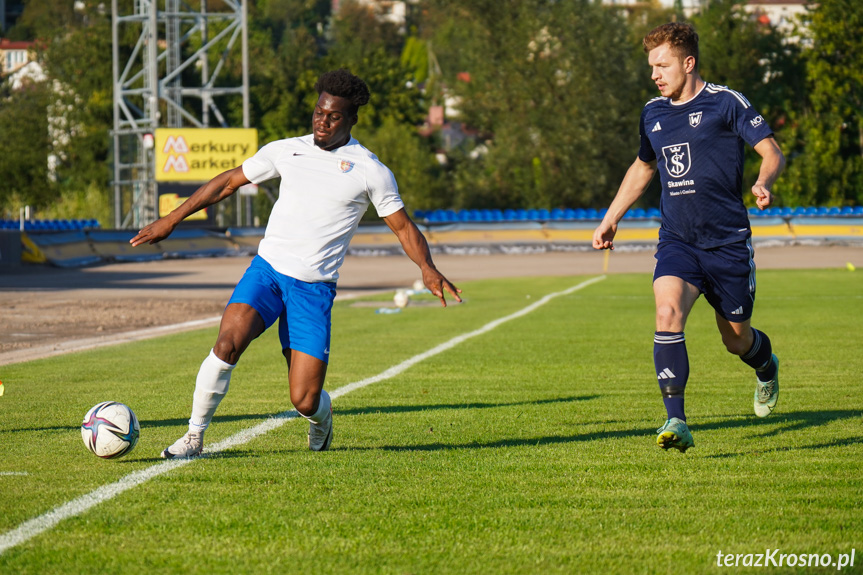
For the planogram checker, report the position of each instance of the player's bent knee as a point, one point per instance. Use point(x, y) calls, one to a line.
point(736, 345)
point(306, 403)
point(227, 350)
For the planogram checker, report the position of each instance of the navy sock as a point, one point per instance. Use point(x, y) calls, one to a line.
point(760, 356)
point(672, 370)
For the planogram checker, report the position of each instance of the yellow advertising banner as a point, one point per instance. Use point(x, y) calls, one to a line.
point(198, 154)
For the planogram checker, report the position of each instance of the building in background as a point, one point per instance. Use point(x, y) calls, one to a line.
point(392, 11)
point(784, 15)
point(14, 55)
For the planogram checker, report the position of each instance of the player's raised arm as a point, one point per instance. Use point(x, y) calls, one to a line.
point(772, 164)
point(417, 249)
point(637, 178)
point(214, 191)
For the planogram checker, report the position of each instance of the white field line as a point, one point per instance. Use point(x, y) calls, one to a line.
point(20, 356)
point(46, 521)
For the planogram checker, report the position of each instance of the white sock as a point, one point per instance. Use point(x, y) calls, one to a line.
point(323, 409)
point(214, 377)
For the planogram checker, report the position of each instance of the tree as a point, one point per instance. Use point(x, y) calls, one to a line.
point(826, 152)
point(739, 51)
point(550, 87)
point(24, 161)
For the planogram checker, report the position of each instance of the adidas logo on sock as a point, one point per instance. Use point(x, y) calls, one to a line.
point(665, 374)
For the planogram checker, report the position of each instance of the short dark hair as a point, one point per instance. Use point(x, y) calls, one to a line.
point(681, 36)
point(343, 84)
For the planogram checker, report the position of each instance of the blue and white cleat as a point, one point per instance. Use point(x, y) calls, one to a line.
point(674, 434)
point(767, 393)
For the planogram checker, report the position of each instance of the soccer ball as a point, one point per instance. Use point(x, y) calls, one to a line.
point(110, 429)
point(401, 298)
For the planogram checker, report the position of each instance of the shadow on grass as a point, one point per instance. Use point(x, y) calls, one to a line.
point(370, 410)
point(797, 420)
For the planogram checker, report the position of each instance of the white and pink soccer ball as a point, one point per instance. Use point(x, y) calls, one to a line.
point(110, 429)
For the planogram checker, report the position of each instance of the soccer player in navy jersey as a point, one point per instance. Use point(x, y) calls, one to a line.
point(694, 135)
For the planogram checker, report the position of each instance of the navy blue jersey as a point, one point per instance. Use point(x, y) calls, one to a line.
point(698, 146)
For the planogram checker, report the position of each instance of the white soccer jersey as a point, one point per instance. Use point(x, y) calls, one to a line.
point(322, 197)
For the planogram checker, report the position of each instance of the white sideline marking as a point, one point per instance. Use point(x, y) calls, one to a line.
point(46, 521)
point(29, 354)
point(14, 473)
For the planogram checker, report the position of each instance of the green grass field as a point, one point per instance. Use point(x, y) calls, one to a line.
point(525, 449)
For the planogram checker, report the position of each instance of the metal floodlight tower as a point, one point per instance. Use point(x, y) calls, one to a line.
point(183, 42)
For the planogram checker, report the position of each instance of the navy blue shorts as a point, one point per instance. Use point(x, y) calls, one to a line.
point(725, 275)
point(302, 308)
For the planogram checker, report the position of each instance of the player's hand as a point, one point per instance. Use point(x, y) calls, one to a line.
point(603, 236)
point(763, 196)
point(152, 233)
point(436, 283)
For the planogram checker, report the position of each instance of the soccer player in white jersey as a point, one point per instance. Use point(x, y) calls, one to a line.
point(694, 135)
point(327, 181)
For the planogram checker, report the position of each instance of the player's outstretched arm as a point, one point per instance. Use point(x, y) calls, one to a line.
point(416, 247)
point(216, 190)
point(772, 164)
point(637, 178)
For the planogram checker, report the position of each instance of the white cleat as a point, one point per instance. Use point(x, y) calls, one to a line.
point(766, 393)
point(190, 445)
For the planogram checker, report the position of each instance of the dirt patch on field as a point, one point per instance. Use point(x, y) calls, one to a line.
point(44, 310)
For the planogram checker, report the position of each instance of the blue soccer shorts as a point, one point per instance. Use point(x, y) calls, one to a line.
point(725, 275)
point(302, 308)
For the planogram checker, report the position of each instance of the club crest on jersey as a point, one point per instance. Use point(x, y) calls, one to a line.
point(346, 166)
point(694, 119)
point(677, 159)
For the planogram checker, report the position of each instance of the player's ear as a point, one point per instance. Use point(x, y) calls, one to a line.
point(689, 64)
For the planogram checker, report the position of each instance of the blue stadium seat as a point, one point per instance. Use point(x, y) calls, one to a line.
point(857, 210)
point(509, 215)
